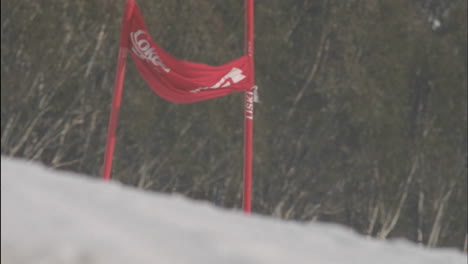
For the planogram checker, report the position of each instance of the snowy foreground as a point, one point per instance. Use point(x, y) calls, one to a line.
point(51, 217)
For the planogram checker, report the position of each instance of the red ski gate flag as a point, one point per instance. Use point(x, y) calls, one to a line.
point(181, 81)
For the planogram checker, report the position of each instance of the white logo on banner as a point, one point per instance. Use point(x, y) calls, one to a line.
point(234, 76)
point(142, 48)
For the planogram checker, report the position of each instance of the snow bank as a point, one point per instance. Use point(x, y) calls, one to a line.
point(56, 217)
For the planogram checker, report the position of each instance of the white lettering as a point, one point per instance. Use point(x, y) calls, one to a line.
point(142, 48)
point(249, 105)
point(143, 44)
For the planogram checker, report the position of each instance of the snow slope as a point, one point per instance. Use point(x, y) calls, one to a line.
point(56, 217)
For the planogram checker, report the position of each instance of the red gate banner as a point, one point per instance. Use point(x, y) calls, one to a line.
point(182, 81)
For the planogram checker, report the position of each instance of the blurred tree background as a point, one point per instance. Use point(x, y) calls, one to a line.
point(362, 120)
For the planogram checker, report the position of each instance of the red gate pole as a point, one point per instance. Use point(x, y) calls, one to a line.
point(118, 87)
point(248, 107)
